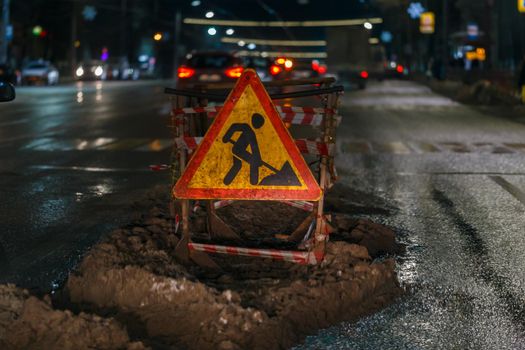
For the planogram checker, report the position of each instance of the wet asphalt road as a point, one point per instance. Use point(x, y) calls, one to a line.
point(451, 180)
point(73, 160)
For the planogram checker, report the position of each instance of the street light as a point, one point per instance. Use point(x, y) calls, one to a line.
point(252, 46)
point(209, 14)
point(212, 31)
point(157, 37)
point(230, 31)
point(368, 25)
point(241, 43)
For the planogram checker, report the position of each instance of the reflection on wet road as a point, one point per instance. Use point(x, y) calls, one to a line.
point(456, 179)
point(73, 160)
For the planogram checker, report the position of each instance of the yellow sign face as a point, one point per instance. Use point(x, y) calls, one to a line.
point(247, 153)
point(221, 158)
point(427, 23)
point(521, 5)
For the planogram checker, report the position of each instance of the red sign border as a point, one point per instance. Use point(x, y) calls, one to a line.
point(312, 192)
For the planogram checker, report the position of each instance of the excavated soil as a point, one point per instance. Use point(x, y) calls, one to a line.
point(140, 291)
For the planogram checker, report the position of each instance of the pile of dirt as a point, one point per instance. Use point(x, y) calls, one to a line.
point(27, 322)
point(250, 303)
point(131, 292)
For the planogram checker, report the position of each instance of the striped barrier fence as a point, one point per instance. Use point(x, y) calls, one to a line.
point(306, 206)
point(305, 146)
point(293, 115)
point(298, 257)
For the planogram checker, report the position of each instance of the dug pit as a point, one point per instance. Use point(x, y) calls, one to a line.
point(134, 283)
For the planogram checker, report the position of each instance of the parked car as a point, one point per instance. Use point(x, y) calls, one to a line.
point(92, 70)
point(8, 74)
point(40, 72)
point(7, 92)
point(209, 67)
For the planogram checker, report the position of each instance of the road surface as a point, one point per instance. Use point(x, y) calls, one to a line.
point(74, 159)
point(451, 181)
point(448, 178)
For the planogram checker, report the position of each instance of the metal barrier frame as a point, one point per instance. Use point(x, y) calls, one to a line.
point(192, 106)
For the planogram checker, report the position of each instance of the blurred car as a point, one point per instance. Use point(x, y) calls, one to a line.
point(7, 92)
point(40, 72)
point(9, 75)
point(121, 69)
point(265, 67)
point(209, 67)
point(92, 70)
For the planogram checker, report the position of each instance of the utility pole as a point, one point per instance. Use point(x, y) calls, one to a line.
point(3, 31)
point(444, 39)
point(177, 39)
point(123, 27)
point(74, 38)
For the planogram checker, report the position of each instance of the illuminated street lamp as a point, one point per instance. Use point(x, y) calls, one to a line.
point(230, 31)
point(241, 43)
point(209, 14)
point(212, 31)
point(157, 37)
point(252, 46)
point(368, 25)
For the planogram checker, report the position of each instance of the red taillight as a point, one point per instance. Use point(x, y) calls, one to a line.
point(234, 72)
point(274, 70)
point(364, 74)
point(185, 72)
point(321, 69)
point(400, 68)
point(315, 65)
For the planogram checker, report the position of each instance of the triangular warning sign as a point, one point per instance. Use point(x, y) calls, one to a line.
point(247, 153)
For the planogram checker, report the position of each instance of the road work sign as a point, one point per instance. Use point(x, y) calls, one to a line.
point(247, 153)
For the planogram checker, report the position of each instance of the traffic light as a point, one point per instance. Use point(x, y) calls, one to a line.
point(39, 31)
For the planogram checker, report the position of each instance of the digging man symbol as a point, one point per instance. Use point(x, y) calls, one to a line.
point(246, 149)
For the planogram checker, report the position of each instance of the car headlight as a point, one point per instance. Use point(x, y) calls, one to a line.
point(98, 71)
point(79, 72)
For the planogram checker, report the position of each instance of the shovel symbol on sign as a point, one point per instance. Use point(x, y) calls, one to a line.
point(246, 149)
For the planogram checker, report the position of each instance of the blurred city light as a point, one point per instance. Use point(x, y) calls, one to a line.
point(209, 14)
point(37, 30)
point(230, 31)
point(415, 10)
point(79, 72)
point(373, 41)
point(251, 46)
point(212, 31)
point(274, 69)
point(99, 71)
point(276, 42)
point(157, 37)
point(105, 54)
point(195, 3)
point(288, 64)
point(291, 54)
point(280, 24)
point(386, 37)
point(427, 23)
point(241, 43)
point(77, 43)
point(368, 25)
